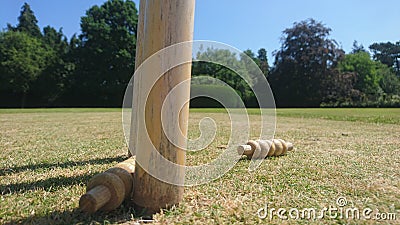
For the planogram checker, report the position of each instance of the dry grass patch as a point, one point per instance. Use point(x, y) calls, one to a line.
point(47, 158)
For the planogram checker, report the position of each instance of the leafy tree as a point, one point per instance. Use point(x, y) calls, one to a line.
point(263, 61)
point(387, 53)
point(74, 42)
point(340, 89)
point(250, 54)
point(22, 59)
point(51, 84)
point(106, 53)
point(303, 64)
point(390, 83)
point(368, 77)
point(223, 73)
point(375, 81)
point(357, 48)
point(246, 66)
point(27, 22)
point(55, 39)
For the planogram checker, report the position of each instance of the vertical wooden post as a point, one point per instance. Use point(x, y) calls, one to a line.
point(138, 61)
point(162, 23)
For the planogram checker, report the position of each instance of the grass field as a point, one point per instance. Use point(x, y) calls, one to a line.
point(48, 155)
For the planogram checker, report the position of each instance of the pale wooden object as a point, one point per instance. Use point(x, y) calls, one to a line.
point(161, 24)
point(106, 191)
point(138, 61)
point(267, 148)
point(94, 199)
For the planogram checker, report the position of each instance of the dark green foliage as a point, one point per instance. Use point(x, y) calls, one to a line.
point(223, 73)
point(390, 83)
point(55, 39)
point(340, 90)
point(92, 69)
point(245, 64)
point(34, 66)
point(106, 54)
point(51, 84)
point(223, 93)
point(387, 53)
point(45, 69)
point(27, 22)
point(365, 83)
point(357, 48)
point(366, 69)
point(22, 59)
point(262, 61)
point(303, 65)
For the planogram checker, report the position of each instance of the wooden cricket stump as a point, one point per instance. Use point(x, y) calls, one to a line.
point(265, 148)
point(161, 24)
point(106, 191)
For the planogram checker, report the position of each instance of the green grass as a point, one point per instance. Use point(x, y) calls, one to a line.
point(58, 110)
point(375, 115)
point(48, 155)
point(371, 115)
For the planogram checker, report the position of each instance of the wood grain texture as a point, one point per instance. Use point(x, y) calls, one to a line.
point(265, 148)
point(106, 191)
point(161, 24)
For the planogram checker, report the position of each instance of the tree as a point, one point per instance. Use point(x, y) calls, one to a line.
point(22, 59)
point(368, 76)
point(340, 90)
point(55, 39)
point(387, 53)
point(263, 61)
point(51, 84)
point(250, 54)
point(390, 83)
point(223, 73)
point(303, 64)
point(106, 53)
point(375, 81)
point(357, 48)
point(27, 22)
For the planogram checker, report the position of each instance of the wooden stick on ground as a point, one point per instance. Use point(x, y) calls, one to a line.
point(165, 23)
point(265, 148)
point(106, 191)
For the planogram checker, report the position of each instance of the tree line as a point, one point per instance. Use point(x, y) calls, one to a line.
point(42, 68)
point(311, 70)
point(45, 69)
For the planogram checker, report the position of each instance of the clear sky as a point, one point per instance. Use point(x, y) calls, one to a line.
point(245, 25)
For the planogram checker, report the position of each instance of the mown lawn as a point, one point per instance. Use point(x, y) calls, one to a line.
point(48, 155)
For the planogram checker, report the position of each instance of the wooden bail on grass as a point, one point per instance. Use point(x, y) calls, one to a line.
point(161, 24)
point(106, 191)
point(264, 148)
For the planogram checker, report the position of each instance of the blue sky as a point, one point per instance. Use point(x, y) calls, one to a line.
point(245, 25)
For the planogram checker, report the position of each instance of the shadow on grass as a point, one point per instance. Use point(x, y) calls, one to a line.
point(123, 214)
point(54, 183)
point(50, 184)
point(17, 169)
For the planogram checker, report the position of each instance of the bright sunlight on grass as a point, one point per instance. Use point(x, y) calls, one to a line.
point(48, 155)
